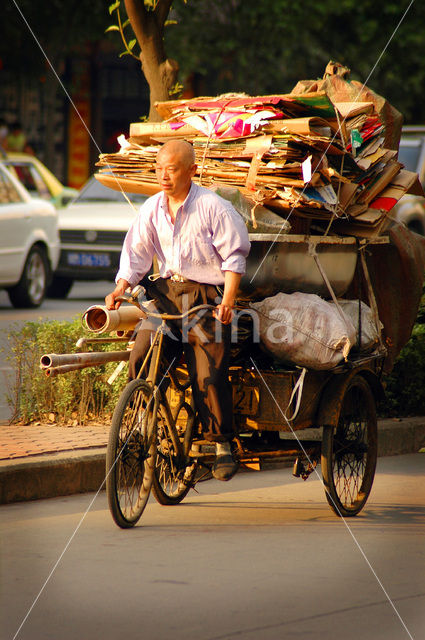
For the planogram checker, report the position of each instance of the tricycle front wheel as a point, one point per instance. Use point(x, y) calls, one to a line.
point(349, 450)
point(131, 453)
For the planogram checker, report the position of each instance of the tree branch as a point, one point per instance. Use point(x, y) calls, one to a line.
point(139, 19)
point(148, 27)
point(162, 10)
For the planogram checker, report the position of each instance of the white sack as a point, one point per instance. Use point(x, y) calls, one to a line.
point(304, 329)
point(370, 334)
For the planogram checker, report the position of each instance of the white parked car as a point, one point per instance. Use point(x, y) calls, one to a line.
point(29, 242)
point(411, 209)
point(92, 230)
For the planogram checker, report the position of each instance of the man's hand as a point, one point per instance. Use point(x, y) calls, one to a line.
point(111, 301)
point(224, 310)
point(224, 313)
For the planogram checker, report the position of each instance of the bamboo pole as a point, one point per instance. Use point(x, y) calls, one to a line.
point(66, 368)
point(53, 360)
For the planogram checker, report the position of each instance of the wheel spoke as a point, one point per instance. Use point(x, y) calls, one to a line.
point(129, 457)
point(36, 276)
point(172, 476)
point(349, 455)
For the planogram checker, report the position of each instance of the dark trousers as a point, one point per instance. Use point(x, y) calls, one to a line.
point(206, 346)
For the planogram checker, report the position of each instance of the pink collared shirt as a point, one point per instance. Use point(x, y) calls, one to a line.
point(207, 238)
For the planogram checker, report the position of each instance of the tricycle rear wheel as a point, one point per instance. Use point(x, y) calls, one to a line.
point(349, 450)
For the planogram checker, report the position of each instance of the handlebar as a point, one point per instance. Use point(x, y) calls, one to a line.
point(133, 299)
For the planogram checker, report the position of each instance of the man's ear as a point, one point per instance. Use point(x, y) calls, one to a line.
point(193, 170)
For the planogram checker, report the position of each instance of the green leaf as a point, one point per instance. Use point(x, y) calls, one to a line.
point(124, 53)
point(176, 89)
point(114, 6)
point(131, 44)
point(126, 23)
point(113, 27)
point(169, 22)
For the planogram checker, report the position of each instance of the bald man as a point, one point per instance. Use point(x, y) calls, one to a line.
point(201, 243)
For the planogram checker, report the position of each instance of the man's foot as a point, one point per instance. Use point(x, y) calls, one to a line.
point(224, 466)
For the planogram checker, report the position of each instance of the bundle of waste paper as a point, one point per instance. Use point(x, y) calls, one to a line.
point(327, 152)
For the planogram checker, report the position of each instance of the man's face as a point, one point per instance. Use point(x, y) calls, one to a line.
point(174, 174)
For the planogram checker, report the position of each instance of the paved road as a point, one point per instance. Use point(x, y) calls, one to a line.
point(82, 295)
point(260, 557)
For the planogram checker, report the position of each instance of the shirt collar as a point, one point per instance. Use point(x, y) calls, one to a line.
point(187, 200)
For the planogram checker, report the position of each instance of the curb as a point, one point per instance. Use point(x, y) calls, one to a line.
point(50, 476)
point(396, 437)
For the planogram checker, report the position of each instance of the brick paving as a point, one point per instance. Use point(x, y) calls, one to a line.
point(26, 441)
point(18, 441)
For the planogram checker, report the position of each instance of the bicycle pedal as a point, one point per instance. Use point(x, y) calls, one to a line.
point(302, 470)
point(191, 485)
point(298, 468)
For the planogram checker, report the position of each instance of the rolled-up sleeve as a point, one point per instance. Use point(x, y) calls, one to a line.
point(138, 249)
point(230, 239)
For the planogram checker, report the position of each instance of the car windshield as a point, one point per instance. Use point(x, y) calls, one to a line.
point(409, 154)
point(94, 191)
point(30, 178)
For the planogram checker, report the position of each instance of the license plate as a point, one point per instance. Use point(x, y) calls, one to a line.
point(83, 259)
point(246, 400)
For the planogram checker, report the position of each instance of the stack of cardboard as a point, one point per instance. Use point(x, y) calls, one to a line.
point(305, 156)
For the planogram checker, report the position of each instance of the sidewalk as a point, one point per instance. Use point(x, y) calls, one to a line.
point(48, 461)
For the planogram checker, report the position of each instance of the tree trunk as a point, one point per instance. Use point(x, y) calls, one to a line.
point(160, 71)
point(160, 77)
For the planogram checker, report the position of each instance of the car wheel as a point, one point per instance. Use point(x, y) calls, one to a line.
point(31, 288)
point(59, 287)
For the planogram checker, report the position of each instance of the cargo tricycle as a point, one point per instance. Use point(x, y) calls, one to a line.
point(281, 411)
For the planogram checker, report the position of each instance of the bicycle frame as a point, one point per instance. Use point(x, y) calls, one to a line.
point(153, 359)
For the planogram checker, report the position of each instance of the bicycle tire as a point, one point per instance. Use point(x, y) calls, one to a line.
point(172, 479)
point(131, 452)
point(349, 450)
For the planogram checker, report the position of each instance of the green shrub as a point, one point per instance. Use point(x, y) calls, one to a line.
point(78, 396)
point(405, 385)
